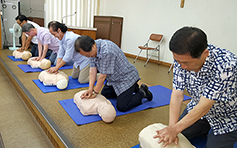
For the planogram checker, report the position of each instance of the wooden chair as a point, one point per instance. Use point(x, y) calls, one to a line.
point(153, 37)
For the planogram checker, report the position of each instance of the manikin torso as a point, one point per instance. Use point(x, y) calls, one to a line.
point(147, 141)
point(98, 105)
point(43, 64)
point(60, 80)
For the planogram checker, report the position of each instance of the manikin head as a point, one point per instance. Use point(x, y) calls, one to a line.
point(106, 111)
point(26, 55)
point(45, 64)
point(60, 80)
point(98, 105)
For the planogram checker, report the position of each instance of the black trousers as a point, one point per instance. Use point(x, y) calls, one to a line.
point(130, 98)
point(34, 51)
point(202, 128)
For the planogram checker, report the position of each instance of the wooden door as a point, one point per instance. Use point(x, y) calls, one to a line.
point(103, 27)
point(116, 30)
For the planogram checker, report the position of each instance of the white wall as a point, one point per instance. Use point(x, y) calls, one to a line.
point(217, 18)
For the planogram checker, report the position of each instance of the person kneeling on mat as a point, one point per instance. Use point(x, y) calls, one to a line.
point(106, 57)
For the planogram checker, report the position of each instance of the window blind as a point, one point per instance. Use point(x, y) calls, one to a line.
point(78, 13)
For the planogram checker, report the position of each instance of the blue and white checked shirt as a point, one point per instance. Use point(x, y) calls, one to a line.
point(68, 53)
point(216, 81)
point(111, 60)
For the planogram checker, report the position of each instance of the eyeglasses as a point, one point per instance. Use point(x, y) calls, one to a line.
point(19, 23)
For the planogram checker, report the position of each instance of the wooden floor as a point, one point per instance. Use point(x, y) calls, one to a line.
point(122, 133)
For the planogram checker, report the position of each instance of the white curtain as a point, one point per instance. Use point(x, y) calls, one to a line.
point(75, 13)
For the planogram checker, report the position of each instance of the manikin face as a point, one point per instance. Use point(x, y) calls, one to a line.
point(92, 53)
point(189, 63)
point(58, 34)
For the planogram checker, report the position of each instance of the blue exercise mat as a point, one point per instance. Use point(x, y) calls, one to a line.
point(14, 59)
point(136, 146)
point(161, 97)
point(27, 68)
point(198, 142)
point(72, 84)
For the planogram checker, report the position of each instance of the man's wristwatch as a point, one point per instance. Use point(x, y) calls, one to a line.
point(95, 93)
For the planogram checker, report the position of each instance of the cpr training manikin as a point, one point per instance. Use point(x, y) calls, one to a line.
point(60, 80)
point(147, 141)
point(93, 106)
point(43, 64)
point(25, 55)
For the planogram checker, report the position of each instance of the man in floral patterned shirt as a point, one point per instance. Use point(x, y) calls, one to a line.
point(209, 74)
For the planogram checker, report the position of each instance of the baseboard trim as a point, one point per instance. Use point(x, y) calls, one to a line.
point(151, 60)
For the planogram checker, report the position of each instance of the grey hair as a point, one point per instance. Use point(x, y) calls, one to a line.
point(26, 27)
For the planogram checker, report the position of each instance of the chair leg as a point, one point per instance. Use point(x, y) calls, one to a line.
point(146, 54)
point(170, 67)
point(158, 55)
point(149, 57)
point(137, 56)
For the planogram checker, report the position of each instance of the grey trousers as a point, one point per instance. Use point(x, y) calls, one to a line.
point(81, 75)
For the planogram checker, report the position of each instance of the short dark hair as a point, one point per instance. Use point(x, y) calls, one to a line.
point(21, 18)
point(85, 43)
point(26, 27)
point(55, 25)
point(50, 23)
point(188, 40)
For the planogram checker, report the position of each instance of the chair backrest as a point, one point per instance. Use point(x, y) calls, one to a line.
point(156, 37)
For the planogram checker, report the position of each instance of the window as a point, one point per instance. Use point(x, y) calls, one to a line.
point(75, 13)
